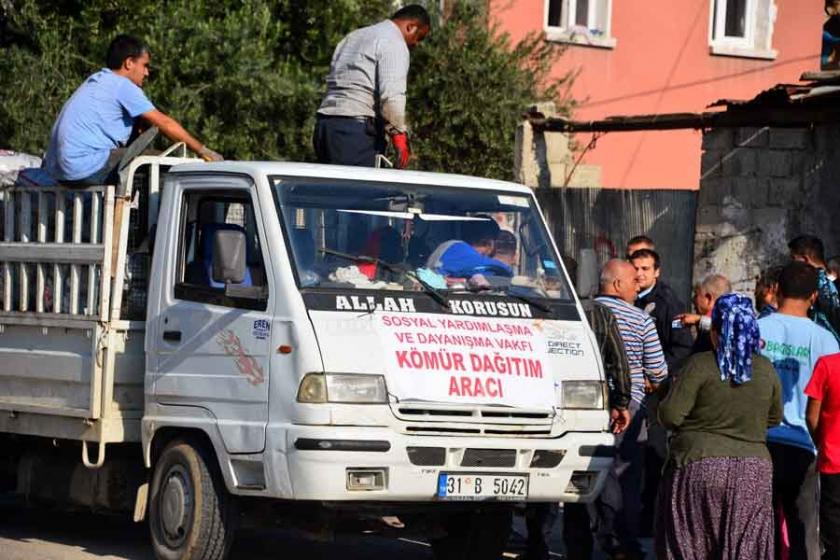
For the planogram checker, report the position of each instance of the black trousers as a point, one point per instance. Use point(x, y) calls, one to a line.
point(348, 140)
point(619, 506)
point(577, 530)
point(540, 519)
point(795, 483)
point(830, 515)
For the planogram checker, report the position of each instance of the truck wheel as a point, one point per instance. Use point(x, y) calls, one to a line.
point(480, 535)
point(191, 515)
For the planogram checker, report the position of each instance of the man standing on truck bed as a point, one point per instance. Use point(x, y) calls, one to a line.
point(88, 137)
point(366, 91)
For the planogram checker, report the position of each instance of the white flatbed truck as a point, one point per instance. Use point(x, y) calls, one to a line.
point(253, 340)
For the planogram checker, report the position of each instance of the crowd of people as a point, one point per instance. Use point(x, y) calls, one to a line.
point(727, 419)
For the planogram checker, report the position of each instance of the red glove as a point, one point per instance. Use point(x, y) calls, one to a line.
point(400, 142)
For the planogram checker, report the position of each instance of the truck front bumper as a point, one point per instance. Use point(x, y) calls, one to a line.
point(314, 463)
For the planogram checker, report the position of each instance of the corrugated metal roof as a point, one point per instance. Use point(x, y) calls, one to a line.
point(783, 105)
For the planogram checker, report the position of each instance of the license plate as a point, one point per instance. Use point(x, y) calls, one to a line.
point(468, 486)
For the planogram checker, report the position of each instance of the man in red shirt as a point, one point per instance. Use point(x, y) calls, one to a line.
point(823, 417)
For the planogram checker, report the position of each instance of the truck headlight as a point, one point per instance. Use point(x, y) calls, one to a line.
point(342, 388)
point(583, 394)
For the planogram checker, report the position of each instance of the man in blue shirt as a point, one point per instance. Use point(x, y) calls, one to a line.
point(472, 254)
point(794, 343)
point(95, 123)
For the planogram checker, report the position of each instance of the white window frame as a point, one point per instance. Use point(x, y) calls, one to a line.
point(719, 18)
point(750, 45)
point(599, 17)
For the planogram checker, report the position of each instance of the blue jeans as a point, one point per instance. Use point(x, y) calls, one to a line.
point(106, 175)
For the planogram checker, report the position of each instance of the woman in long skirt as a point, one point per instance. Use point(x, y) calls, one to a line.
point(715, 499)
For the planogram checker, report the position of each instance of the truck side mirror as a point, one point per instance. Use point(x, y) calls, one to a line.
point(588, 275)
point(229, 256)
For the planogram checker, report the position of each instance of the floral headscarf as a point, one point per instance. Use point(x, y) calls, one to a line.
point(734, 320)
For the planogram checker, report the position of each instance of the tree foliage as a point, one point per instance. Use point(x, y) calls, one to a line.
point(246, 76)
point(469, 88)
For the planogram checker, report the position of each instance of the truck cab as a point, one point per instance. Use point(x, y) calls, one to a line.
point(300, 320)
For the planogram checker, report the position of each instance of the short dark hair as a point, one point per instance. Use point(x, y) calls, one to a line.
point(768, 278)
point(807, 246)
point(641, 239)
point(414, 12)
point(506, 242)
point(797, 280)
point(122, 47)
point(766, 281)
point(480, 230)
point(646, 254)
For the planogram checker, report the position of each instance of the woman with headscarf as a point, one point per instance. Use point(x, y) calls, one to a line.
point(715, 499)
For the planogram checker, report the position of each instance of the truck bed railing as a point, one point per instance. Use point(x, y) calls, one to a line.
point(55, 256)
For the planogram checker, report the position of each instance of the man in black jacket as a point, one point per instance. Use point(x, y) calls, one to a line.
point(661, 303)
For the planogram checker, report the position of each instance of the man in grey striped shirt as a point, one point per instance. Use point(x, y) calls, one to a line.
point(366, 90)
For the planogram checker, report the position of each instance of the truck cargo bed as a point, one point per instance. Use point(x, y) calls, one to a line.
point(73, 271)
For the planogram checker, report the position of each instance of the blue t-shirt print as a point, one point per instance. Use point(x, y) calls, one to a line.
point(97, 118)
point(794, 344)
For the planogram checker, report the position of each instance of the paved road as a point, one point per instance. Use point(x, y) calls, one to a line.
point(27, 534)
point(39, 534)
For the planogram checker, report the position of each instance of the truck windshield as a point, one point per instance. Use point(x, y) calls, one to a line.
point(389, 236)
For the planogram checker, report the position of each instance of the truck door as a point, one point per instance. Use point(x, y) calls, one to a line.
point(213, 350)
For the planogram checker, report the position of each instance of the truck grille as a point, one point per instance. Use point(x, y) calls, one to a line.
point(427, 456)
point(425, 419)
point(476, 414)
point(489, 458)
point(484, 458)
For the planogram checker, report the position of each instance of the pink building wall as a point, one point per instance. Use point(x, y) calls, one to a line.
point(661, 64)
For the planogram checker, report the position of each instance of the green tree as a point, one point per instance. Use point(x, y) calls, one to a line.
point(468, 89)
point(246, 76)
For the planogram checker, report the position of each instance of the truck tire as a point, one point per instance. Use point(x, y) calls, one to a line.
point(480, 535)
point(191, 514)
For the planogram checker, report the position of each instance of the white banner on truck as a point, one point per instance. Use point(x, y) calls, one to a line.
point(466, 359)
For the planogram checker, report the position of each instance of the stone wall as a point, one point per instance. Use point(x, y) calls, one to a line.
point(760, 187)
point(548, 160)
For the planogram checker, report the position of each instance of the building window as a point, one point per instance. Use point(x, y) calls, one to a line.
point(585, 22)
point(742, 28)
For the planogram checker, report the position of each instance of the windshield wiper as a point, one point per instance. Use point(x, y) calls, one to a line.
point(428, 288)
point(523, 298)
point(529, 300)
